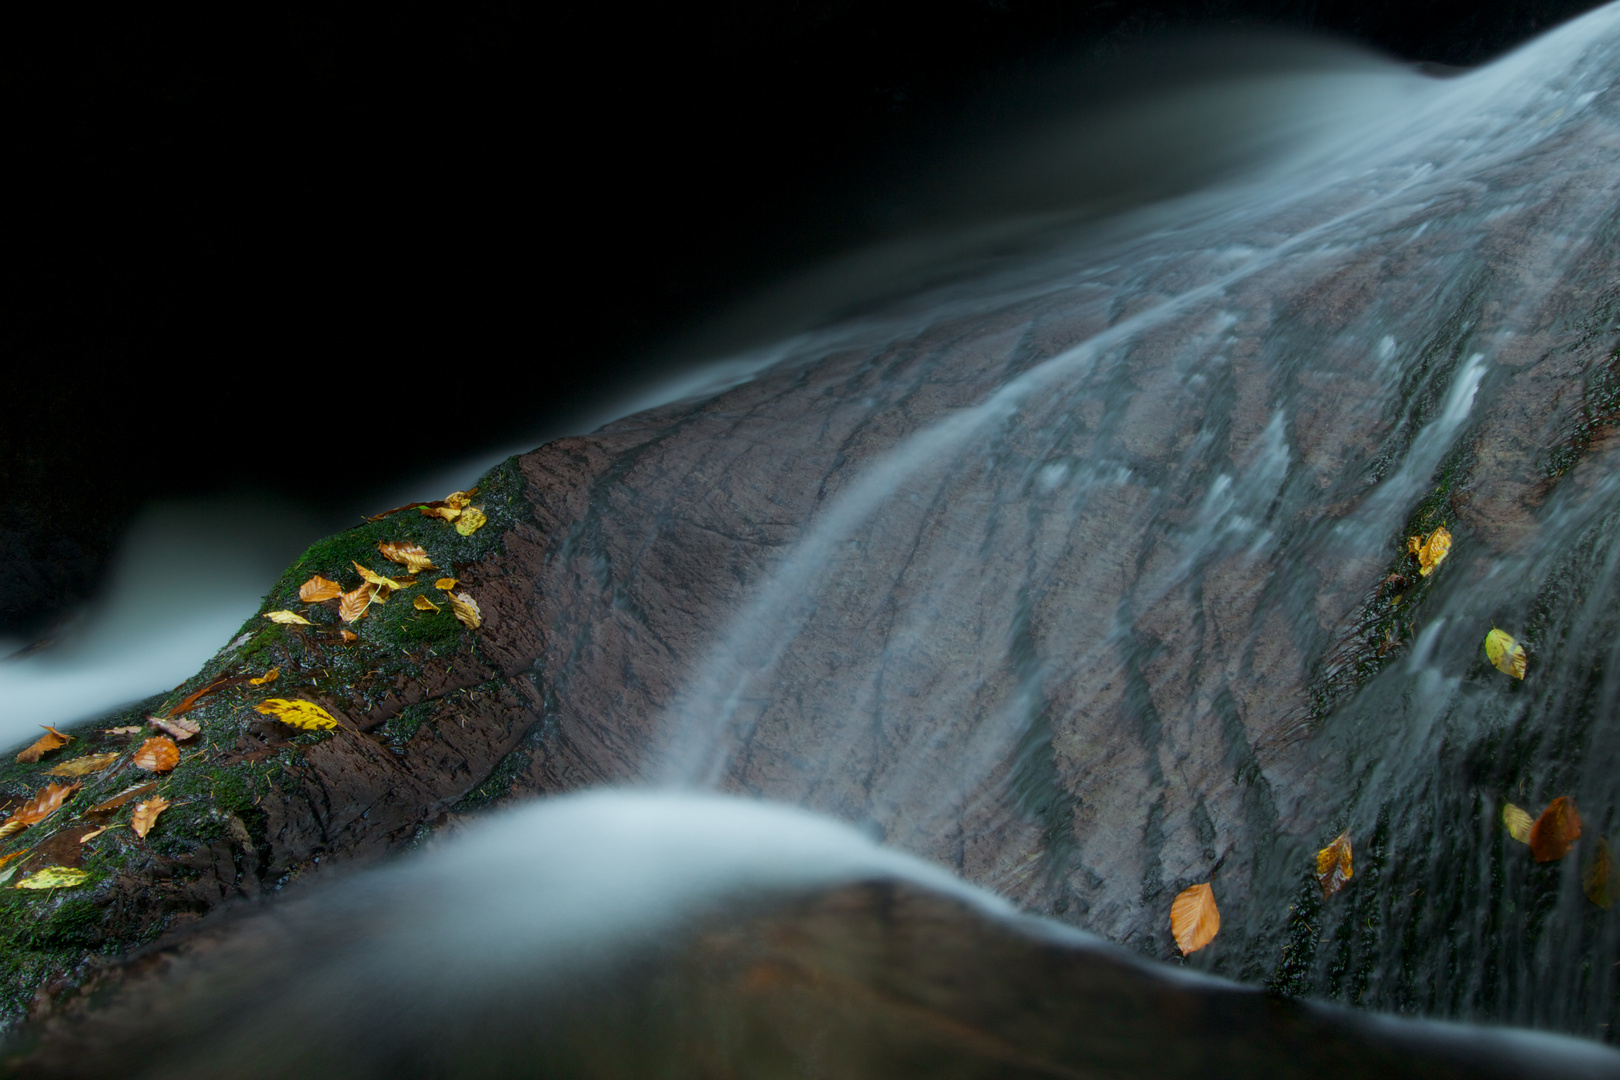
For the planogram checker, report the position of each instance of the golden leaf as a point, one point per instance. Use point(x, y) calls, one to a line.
point(123, 797)
point(317, 589)
point(157, 754)
point(352, 605)
point(461, 499)
point(93, 833)
point(54, 877)
point(471, 520)
point(1333, 865)
point(466, 609)
point(445, 513)
point(146, 815)
point(445, 584)
point(379, 594)
point(268, 677)
point(422, 603)
point(300, 714)
point(46, 801)
point(1506, 653)
point(80, 765)
point(133, 729)
point(287, 618)
point(1600, 882)
point(1430, 552)
point(1194, 918)
point(1555, 831)
point(1414, 544)
point(179, 730)
point(1518, 823)
point(348, 635)
point(51, 740)
point(376, 578)
point(411, 556)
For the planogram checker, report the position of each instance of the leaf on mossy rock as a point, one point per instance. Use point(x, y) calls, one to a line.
point(377, 579)
point(81, 766)
point(1194, 918)
point(122, 797)
point(300, 714)
point(179, 730)
point(1600, 881)
point(146, 815)
point(190, 701)
point(317, 589)
point(471, 520)
point(1430, 551)
point(268, 677)
point(445, 584)
point(466, 609)
point(353, 605)
point(1556, 830)
point(1333, 865)
point(287, 618)
point(1518, 823)
point(54, 877)
point(1506, 653)
point(46, 801)
point(348, 635)
point(157, 754)
point(132, 729)
point(411, 556)
point(422, 603)
point(51, 740)
point(93, 833)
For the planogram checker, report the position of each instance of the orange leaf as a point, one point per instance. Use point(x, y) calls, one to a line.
point(122, 797)
point(181, 730)
point(411, 556)
point(1194, 918)
point(348, 635)
point(51, 740)
point(317, 589)
point(146, 815)
point(268, 677)
point(189, 702)
point(157, 754)
point(78, 766)
point(1333, 865)
point(352, 605)
point(46, 801)
point(1558, 827)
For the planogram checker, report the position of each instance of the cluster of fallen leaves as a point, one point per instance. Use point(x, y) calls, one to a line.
point(1195, 919)
point(376, 588)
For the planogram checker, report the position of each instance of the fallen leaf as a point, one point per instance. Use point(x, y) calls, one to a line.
point(348, 635)
point(123, 797)
point(445, 583)
point(46, 801)
point(317, 589)
point(189, 702)
point(1430, 552)
point(268, 677)
point(1333, 865)
point(466, 609)
point(79, 766)
point(300, 714)
point(133, 729)
point(54, 877)
point(146, 815)
point(93, 833)
point(461, 499)
point(180, 730)
point(1601, 881)
point(157, 754)
point(51, 740)
point(376, 578)
point(471, 520)
point(14, 855)
point(352, 605)
point(1555, 831)
point(1506, 653)
point(1194, 918)
point(411, 556)
point(445, 513)
point(287, 618)
point(1518, 823)
point(422, 603)
point(379, 594)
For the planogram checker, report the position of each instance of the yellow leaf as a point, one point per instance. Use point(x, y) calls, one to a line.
point(300, 714)
point(268, 677)
point(1194, 918)
point(157, 754)
point(93, 833)
point(445, 583)
point(422, 603)
point(317, 589)
point(1506, 653)
point(460, 499)
point(179, 730)
point(379, 594)
point(446, 513)
point(51, 740)
point(1430, 552)
point(353, 605)
point(1518, 823)
point(287, 618)
point(377, 579)
point(466, 609)
point(122, 797)
point(471, 520)
point(1333, 865)
point(1556, 830)
point(411, 556)
point(80, 765)
point(146, 815)
point(54, 877)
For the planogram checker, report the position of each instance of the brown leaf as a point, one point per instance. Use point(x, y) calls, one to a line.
point(133, 729)
point(317, 589)
point(1555, 831)
point(181, 730)
point(1194, 918)
point(348, 635)
point(189, 702)
point(422, 603)
point(157, 754)
point(79, 766)
point(46, 801)
point(411, 556)
point(51, 740)
point(122, 797)
point(268, 677)
point(466, 609)
point(1601, 881)
point(1333, 865)
point(353, 605)
point(146, 815)
point(93, 833)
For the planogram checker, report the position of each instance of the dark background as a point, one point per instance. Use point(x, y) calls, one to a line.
point(314, 248)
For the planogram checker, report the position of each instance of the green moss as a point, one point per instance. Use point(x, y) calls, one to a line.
point(498, 784)
point(398, 729)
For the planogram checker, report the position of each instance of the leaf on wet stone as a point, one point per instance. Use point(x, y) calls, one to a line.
point(51, 740)
point(190, 701)
point(1600, 880)
point(466, 609)
point(317, 589)
point(1556, 830)
point(146, 815)
point(179, 730)
point(299, 714)
point(132, 729)
point(445, 584)
point(377, 579)
point(54, 877)
point(1333, 865)
point(1430, 551)
point(287, 618)
point(411, 556)
point(380, 594)
point(1506, 653)
point(93, 833)
point(443, 513)
point(1194, 918)
point(1518, 823)
point(80, 766)
point(122, 797)
point(353, 605)
point(471, 520)
point(422, 603)
point(348, 635)
point(268, 677)
point(157, 754)
point(46, 801)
